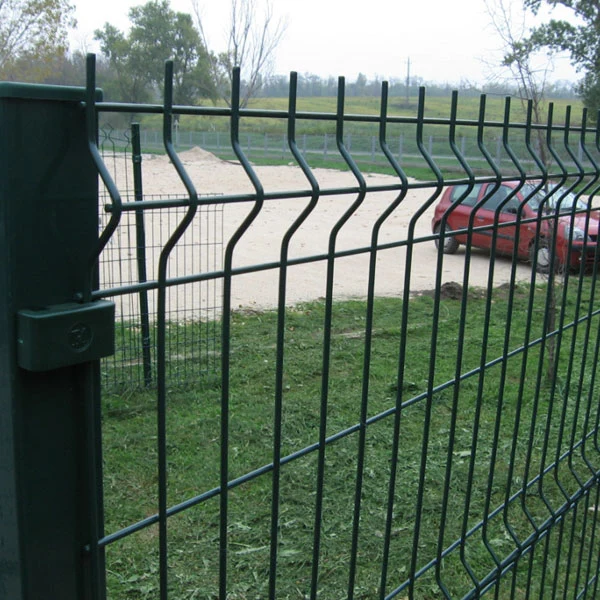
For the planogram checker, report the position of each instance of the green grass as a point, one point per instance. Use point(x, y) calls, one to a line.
point(518, 410)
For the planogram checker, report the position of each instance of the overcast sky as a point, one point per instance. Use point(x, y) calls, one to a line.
point(445, 40)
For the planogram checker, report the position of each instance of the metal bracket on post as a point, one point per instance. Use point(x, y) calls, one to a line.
point(65, 334)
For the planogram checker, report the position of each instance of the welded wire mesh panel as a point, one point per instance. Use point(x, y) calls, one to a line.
point(130, 260)
point(406, 397)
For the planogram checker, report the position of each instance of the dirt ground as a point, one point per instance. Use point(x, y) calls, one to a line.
point(262, 242)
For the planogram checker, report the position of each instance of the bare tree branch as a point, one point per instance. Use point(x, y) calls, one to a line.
point(253, 38)
point(511, 27)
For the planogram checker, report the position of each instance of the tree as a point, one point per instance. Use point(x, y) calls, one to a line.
point(580, 41)
point(252, 41)
point(32, 34)
point(360, 85)
point(132, 84)
point(157, 33)
point(519, 55)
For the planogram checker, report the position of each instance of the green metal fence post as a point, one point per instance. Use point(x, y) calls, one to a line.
point(50, 478)
point(140, 234)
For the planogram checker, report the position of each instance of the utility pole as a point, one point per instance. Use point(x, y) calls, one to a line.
point(408, 80)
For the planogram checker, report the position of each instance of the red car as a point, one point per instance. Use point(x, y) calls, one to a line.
point(498, 205)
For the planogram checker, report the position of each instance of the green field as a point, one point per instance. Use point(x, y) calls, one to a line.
point(435, 107)
point(264, 140)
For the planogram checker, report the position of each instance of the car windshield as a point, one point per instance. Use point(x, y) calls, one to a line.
point(533, 195)
point(567, 201)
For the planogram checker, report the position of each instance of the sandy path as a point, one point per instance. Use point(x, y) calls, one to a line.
point(263, 240)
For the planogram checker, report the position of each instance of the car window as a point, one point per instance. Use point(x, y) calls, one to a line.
point(459, 191)
point(533, 195)
point(550, 198)
point(497, 198)
point(567, 201)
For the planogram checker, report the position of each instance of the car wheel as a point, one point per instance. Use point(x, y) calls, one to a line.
point(450, 243)
point(541, 258)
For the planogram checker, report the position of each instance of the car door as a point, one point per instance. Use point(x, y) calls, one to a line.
point(462, 199)
point(484, 221)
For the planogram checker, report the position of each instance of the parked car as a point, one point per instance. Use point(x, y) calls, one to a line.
point(574, 241)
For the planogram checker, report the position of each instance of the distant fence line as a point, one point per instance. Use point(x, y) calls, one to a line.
point(365, 148)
